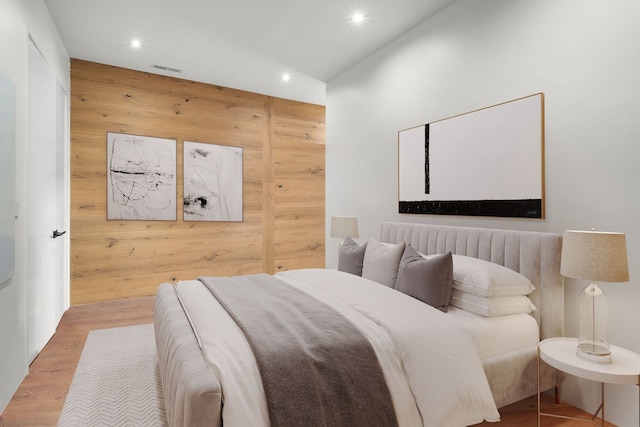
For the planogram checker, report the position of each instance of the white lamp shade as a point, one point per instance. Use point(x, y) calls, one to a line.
point(594, 255)
point(344, 226)
point(597, 257)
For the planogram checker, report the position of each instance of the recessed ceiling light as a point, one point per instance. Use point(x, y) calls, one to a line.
point(135, 43)
point(285, 77)
point(358, 17)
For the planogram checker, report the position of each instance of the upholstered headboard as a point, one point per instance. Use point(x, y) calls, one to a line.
point(535, 255)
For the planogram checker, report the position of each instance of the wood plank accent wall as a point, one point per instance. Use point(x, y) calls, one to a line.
point(284, 154)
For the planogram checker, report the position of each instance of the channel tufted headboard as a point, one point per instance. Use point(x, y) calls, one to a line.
point(536, 255)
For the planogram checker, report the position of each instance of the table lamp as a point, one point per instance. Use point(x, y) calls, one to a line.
point(344, 226)
point(597, 257)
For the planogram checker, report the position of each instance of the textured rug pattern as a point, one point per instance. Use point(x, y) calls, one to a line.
point(116, 382)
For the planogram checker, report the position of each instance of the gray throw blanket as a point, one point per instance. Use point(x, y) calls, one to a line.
point(317, 368)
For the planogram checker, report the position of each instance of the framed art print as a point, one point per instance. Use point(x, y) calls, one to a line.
point(212, 182)
point(141, 177)
point(489, 162)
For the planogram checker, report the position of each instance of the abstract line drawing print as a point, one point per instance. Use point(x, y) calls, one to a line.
point(141, 177)
point(212, 182)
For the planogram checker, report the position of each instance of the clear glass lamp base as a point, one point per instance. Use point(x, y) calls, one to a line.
point(593, 352)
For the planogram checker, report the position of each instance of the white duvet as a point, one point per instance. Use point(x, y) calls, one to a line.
point(430, 363)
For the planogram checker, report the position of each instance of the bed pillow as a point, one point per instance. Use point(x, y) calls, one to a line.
point(491, 307)
point(429, 280)
point(351, 256)
point(486, 279)
point(381, 261)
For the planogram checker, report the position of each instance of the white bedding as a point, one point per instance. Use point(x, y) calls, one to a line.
point(498, 335)
point(430, 363)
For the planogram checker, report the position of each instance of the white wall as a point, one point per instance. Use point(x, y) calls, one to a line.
point(584, 55)
point(20, 20)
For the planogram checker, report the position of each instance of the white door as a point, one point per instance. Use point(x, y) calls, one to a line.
point(63, 214)
point(47, 289)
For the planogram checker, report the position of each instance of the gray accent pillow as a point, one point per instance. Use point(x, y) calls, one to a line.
point(351, 257)
point(429, 280)
point(381, 261)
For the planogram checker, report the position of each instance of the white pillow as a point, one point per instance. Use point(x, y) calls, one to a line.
point(491, 307)
point(486, 279)
point(381, 261)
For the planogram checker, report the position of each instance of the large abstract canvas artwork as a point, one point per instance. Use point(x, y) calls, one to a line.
point(141, 177)
point(212, 182)
point(489, 162)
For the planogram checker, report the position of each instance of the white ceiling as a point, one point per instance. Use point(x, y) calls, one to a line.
point(243, 44)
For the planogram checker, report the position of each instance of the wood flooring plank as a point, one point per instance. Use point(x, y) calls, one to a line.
point(40, 398)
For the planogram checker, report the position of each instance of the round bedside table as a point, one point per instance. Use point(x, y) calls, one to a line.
point(560, 353)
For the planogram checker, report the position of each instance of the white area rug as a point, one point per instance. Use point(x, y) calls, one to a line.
point(116, 382)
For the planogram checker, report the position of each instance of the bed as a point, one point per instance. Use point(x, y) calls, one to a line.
point(457, 374)
point(536, 255)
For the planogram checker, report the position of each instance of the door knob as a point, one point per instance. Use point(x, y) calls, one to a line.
point(57, 233)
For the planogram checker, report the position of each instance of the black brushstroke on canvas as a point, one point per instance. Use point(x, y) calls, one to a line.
point(136, 181)
point(521, 208)
point(202, 153)
point(200, 201)
point(427, 180)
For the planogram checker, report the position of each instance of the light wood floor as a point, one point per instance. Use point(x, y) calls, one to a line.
point(40, 397)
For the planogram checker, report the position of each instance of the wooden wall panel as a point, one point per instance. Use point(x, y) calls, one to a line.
point(283, 166)
point(298, 140)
